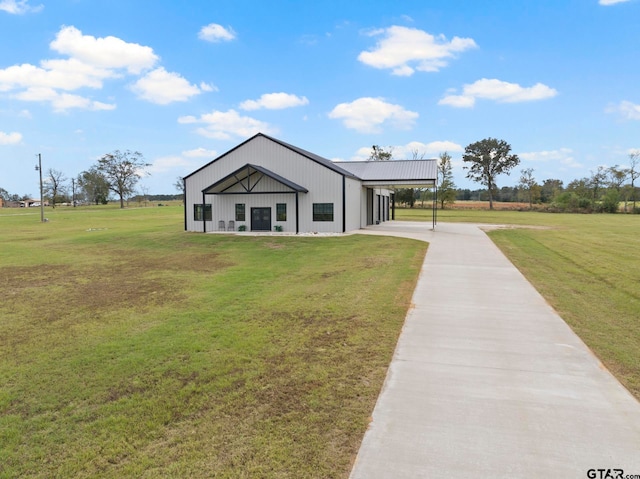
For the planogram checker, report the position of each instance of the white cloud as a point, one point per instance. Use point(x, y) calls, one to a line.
point(200, 153)
point(216, 33)
point(628, 110)
point(168, 163)
point(274, 101)
point(91, 61)
point(187, 161)
point(429, 150)
point(163, 87)
point(185, 120)
point(208, 87)
point(611, 2)
point(18, 7)
point(10, 138)
point(404, 50)
point(108, 52)
point(562, 156)
point(62, 101)
point(69, 74)
point(223, 125)
point(458, 101)
point(404, 152)
point(501, 91)
point(367, 115)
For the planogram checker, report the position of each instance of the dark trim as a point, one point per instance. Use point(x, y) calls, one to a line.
point(204, 221)
point(420, 180)
point(344, 204)
point(257, 193)
point(297, 215)
point(184, 200)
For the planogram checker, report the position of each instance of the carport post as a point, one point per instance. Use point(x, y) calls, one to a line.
point(435, 207)
point(393, 205)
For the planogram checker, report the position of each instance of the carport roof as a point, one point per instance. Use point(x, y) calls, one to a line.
point(394, 173)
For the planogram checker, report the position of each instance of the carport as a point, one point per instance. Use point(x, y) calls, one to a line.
point(394, 175)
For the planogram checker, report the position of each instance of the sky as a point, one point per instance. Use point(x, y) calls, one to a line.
point(184, 82)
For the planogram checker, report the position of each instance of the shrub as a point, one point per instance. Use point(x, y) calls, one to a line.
point(611, 202)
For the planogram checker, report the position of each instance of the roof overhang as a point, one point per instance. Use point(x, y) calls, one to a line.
point(392, 184)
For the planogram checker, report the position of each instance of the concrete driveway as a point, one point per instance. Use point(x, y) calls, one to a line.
point(488, 381)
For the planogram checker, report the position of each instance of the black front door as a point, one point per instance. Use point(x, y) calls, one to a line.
point(260, 219)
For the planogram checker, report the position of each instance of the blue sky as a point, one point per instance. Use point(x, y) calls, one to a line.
point(183, 82)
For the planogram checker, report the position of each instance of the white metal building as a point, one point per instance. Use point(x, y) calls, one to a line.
point(265, 184)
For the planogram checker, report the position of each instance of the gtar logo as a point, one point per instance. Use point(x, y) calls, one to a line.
point(605, 473)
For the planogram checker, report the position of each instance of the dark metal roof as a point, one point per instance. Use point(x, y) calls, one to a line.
point(247, 172)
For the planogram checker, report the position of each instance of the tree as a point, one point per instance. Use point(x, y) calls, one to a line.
point(54, 184)
point(407, 196)
point(550, 189)
point(634, 174)
point(94, 185)
point(616, 178)
point(446, 186)
point(487, 159)
point(179, 185)
point(380, 154)
point(597, 181)
point(529, 186)
point(122, 171)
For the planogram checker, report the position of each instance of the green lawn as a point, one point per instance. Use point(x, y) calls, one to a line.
point(129, 348)
point(586, 266)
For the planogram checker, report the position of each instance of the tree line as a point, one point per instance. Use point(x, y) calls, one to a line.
point(603, 191)
point(117, 172)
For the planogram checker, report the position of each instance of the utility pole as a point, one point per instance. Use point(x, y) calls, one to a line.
point(39, 168)
point(73, 192)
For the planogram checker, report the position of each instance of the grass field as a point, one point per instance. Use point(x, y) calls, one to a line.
point(586, 266)
point(129, 348)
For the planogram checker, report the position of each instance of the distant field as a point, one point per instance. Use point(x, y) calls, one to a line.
point(586, 266)
point(129, 348)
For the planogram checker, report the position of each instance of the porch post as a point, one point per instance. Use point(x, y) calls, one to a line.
point(297, 216)
point(204, 218)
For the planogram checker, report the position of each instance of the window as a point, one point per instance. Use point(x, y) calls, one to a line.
point(281, 212)
point(197, 212)
point(240, 212)
point(323, 212)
